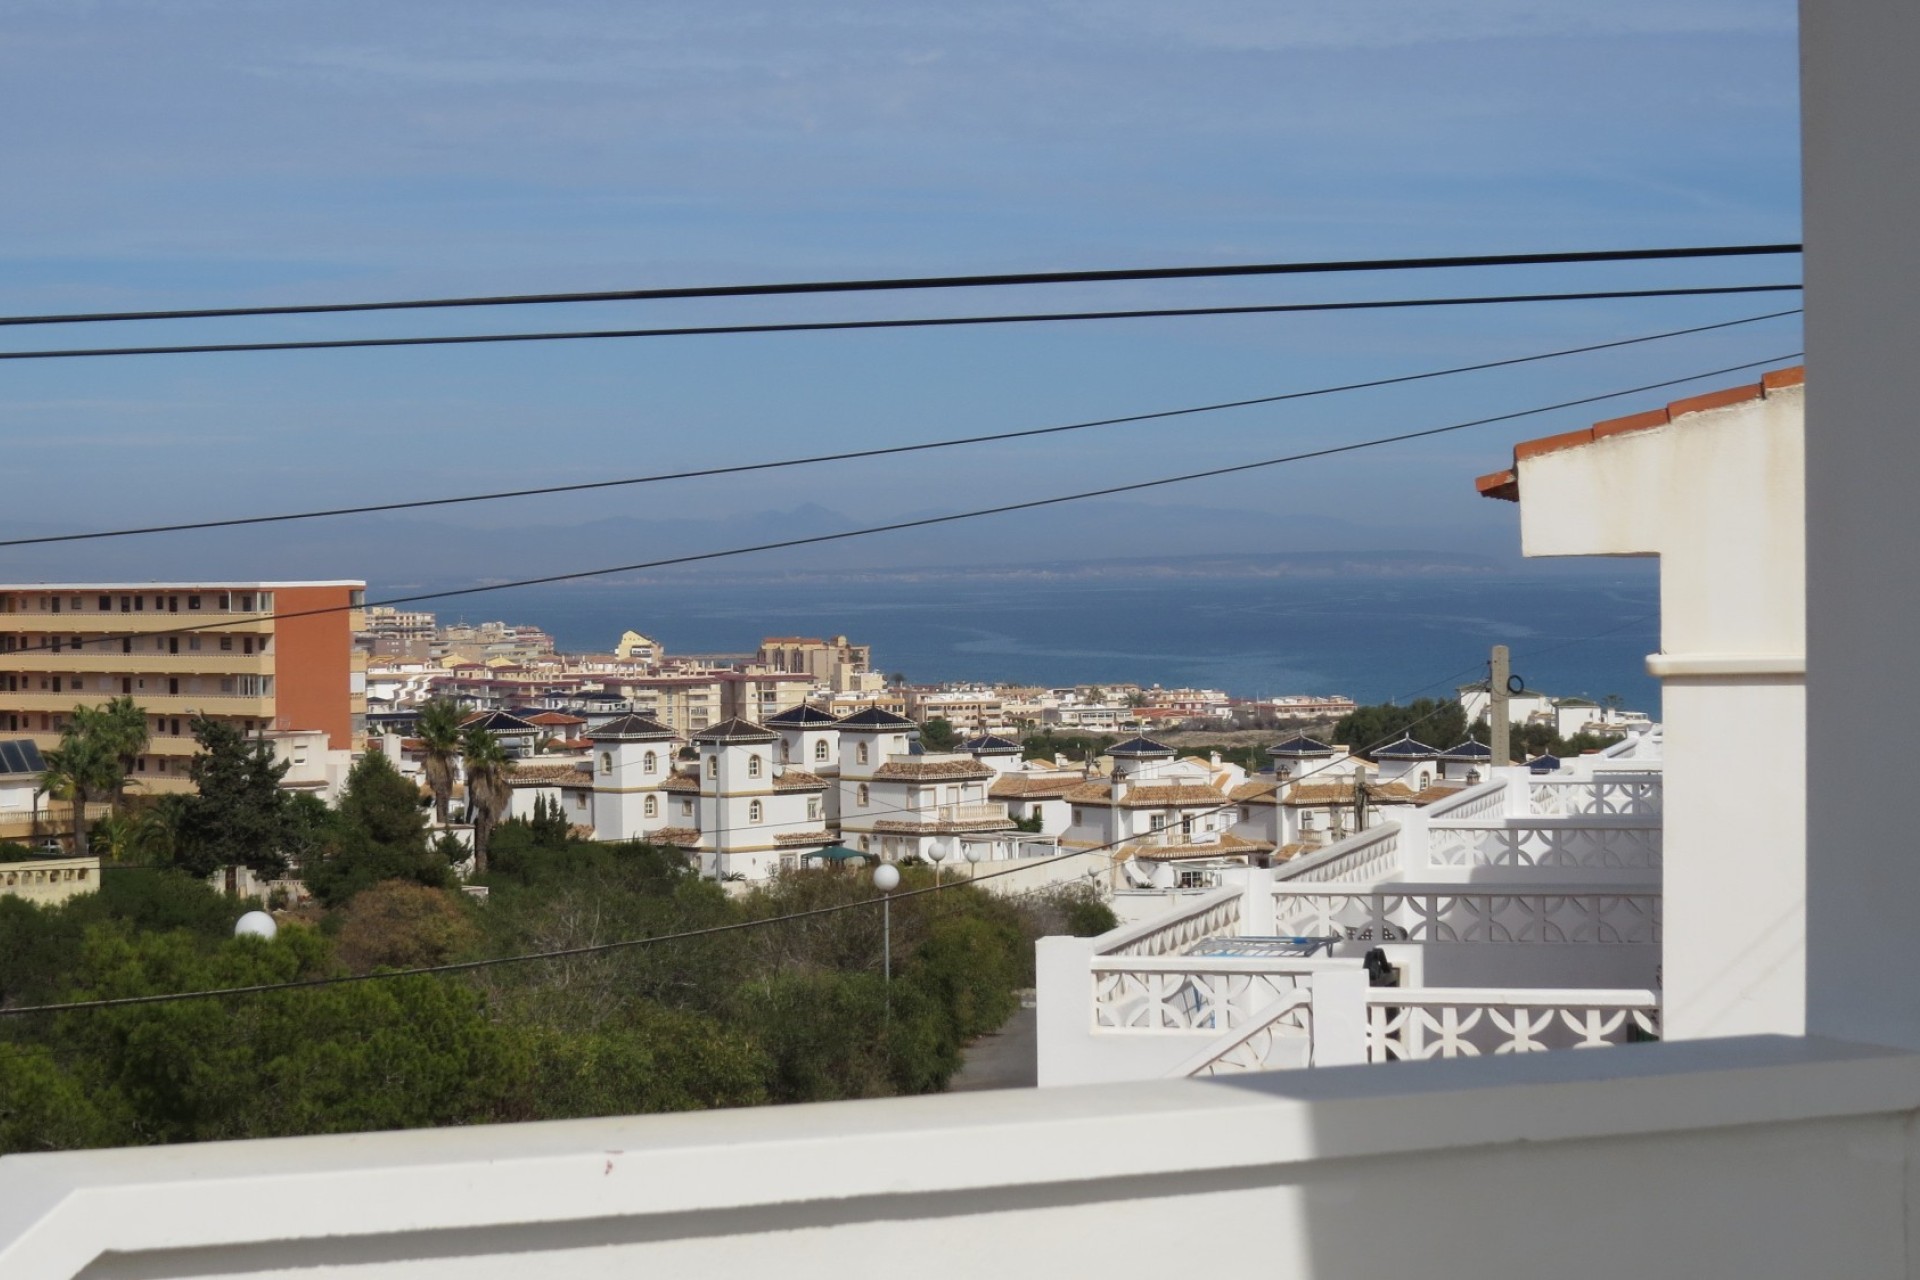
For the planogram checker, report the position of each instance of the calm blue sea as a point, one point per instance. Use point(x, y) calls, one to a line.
point(1370, 638)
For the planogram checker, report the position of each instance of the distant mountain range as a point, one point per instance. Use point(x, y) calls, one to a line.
point(1094, 539)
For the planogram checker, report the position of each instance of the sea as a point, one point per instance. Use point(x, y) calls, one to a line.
point(1373, 639)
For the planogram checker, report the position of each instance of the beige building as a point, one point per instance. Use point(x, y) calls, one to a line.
point(836, 664)
point(260, 656)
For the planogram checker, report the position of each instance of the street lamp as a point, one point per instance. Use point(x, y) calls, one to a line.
point(974, 854)
point(886, 878)
point(936, 853)
point(255, 924)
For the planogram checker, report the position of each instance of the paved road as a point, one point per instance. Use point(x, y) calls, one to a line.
point(1006, 1059)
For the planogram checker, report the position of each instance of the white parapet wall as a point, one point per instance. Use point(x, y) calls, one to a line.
point(1760, 1158)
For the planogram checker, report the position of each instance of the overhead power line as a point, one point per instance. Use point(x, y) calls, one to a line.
point(818, 326)
point(923, 522)
point(992, 280)
point(627, 944)
point(854, 454)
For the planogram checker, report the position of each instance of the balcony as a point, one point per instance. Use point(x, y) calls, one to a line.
point(110, 661)
point(1569, 1165)
point(90, 623)
point(184, 704)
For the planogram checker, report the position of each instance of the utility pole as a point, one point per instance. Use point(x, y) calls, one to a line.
point(1499, 719)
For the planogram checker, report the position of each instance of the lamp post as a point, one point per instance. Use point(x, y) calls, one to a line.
point(974, 854)
point(935, 853)
point(886, 878)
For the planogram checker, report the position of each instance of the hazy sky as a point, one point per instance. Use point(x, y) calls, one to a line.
point(184, 153)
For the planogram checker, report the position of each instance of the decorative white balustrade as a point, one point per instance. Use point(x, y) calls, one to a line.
point(1216, 914)
point(1188, 993)
point(1278, 1038)
point(1461, 913)
point(1467, 1023)
point(1364, 857)
point(1624, 795)
point(1545, 844)
point(1489, 799)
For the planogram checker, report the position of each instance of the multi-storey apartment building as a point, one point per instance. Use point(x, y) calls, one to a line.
point(262, 656)
point(838, 664)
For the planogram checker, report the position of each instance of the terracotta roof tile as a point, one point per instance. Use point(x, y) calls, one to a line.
point(942, 769)
point(1505, 484)
point(798, 780)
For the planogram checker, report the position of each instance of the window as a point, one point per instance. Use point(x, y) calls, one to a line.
point(106, 604)
point(756, 812)
point(652, 806)
point(193, 602)
point(1159, 822)
point(649, 763)
point(786, 752)
point(580, 800)
point(226, 644)
point(193, 642)
point(713, 766)
point(860, 796)
point(686, 808)
point(820, 751)
point(753, 766)
point(813, 808)
point(861, 754)
point(606, 762)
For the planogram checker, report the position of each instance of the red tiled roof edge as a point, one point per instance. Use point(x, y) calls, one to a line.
point(1505, 485)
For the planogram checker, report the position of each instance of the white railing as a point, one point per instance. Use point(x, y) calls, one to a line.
point(1367, 856)
point(1187, 993)
point(1545, 843)
point(1463, 913)
point(1489, 798)
point(973, 813)
point(1215, 914)
point(1469, 1023)
point(1625, 795)
point(1278, 1037)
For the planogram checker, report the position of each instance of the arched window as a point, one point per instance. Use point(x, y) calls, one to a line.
point(753, 766)
point(606, 762)
point(650, 762)
point(862, 753)
point(786, 751)
point(820, 751)
point(860, 796)
point(865, 844)
point(713, 766)
point(653, 806)
point(756, 812)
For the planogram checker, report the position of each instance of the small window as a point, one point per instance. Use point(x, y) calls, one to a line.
point(606, 762)
point(861, 754)
point(756, 812)
point(686, 808)
point(193, 602)
point(713, 766)
point(106, 604)
point(649, 763)
point(820, 751)
point(653, 806)
point(226, 644)
point(860, 796)
point(813, 808)
point(753, 766)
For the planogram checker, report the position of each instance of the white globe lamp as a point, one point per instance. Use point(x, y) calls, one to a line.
point(886, 877)
point(975, 853)
point(255, 924)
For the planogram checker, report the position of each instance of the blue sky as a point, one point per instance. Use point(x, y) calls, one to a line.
point(183, 153)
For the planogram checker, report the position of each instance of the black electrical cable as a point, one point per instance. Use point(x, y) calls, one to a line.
point(687, 331)
point(850, 455)
point(999, 279)
point(928, 521)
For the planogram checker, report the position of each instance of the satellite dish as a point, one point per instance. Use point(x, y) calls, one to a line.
point(255, 924)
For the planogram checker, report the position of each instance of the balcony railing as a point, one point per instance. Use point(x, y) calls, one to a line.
point(1357, 859)
point(1465, 1023)
point(1563, 915)
point(1217, 913)
point(1605, 795)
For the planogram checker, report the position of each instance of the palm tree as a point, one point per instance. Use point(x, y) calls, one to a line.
point(489, 793)
point(80, 770)
point(121, 725)
point(439, 734)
